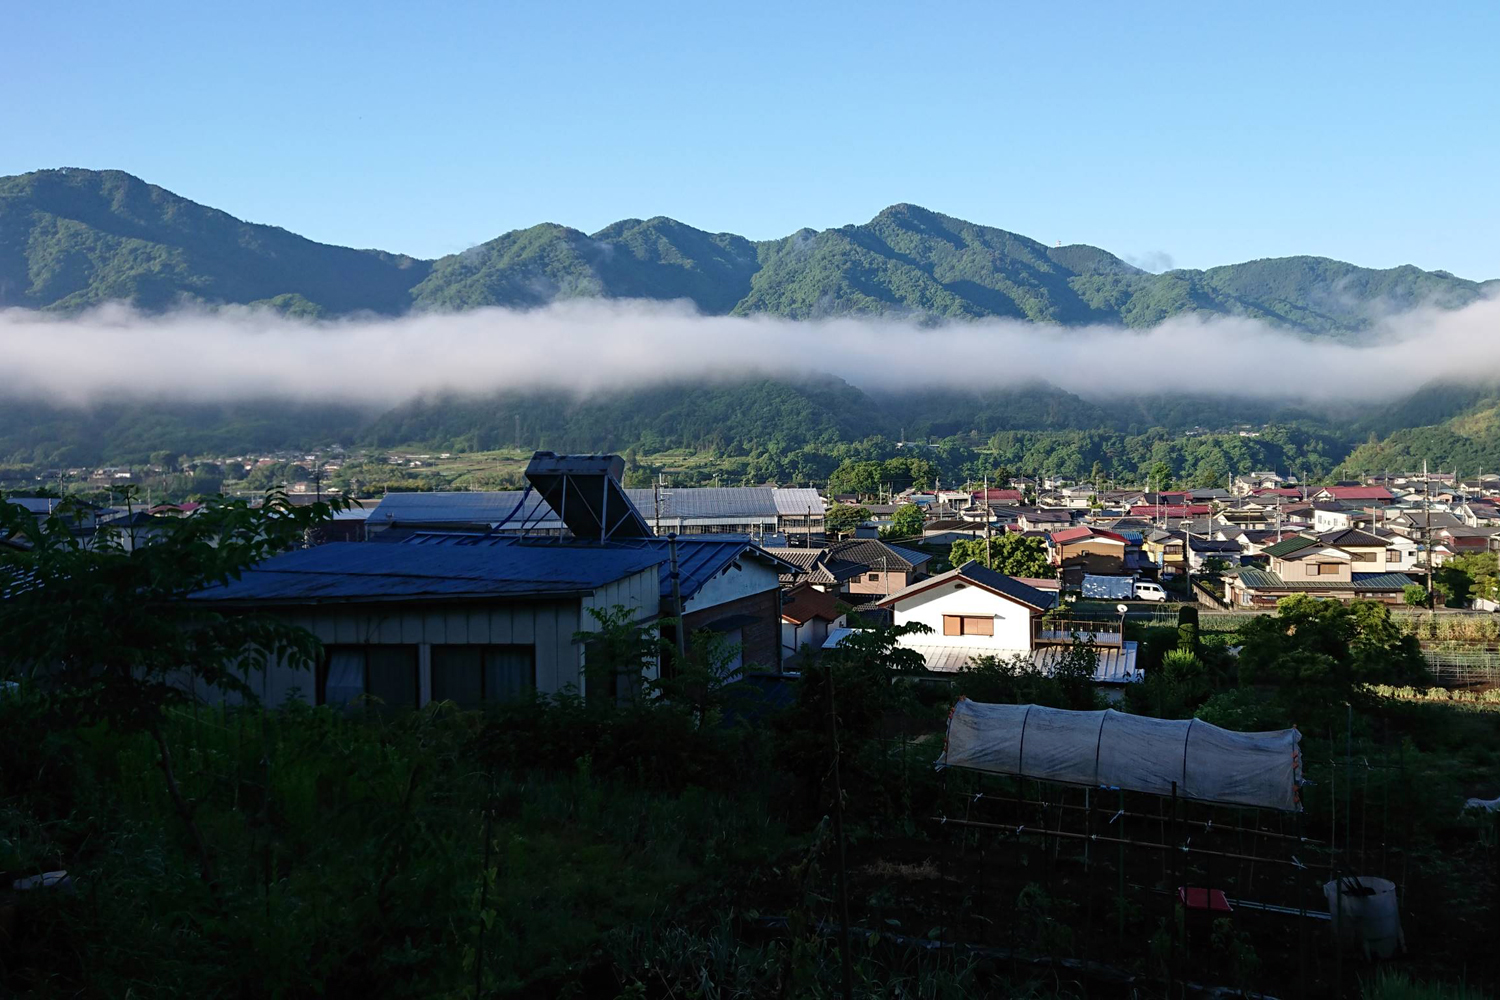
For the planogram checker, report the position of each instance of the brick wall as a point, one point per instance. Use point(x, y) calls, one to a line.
point(760, 641)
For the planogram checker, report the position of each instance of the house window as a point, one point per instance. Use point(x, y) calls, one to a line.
point(469, 676)
point(1363, 556)
point(872, 577)
point(1326, 569)
point(387, 673)
point(1392, 555)
point(968, 625)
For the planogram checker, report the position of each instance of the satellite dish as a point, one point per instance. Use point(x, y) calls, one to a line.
point(1122, 608)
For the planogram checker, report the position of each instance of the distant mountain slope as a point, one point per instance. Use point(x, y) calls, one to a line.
point(1448, 425)
point(74, 238)
point(656, 259)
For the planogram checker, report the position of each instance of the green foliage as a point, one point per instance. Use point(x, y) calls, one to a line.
point(72, 238)
point(907, 521)
point(1469, 576)
point(1317, 653)
point(1015, 680)
point(1414, 595)
point(841, 518)
point(1010, 553)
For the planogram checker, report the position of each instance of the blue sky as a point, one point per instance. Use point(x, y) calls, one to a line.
point(1196, 133)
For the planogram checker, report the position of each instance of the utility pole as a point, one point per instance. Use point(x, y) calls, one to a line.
point(1427, 532)
point(987, 559)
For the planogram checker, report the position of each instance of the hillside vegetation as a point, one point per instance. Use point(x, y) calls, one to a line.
point(73, 238)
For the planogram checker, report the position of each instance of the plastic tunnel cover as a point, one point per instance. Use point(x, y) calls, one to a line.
point(1132, 752)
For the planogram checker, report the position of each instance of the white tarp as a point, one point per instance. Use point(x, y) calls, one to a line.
point(1133, 752)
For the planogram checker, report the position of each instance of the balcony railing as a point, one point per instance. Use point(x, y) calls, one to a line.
point(1062, 632)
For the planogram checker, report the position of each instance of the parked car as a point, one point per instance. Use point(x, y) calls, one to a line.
point(1145, 590)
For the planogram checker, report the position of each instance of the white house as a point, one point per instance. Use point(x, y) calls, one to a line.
point(973, 611)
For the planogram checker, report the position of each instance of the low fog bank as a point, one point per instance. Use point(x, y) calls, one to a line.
point(238, 353)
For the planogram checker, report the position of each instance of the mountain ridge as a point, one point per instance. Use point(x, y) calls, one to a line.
point(72, 238)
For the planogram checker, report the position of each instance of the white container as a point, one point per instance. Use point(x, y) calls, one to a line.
point(1365, 915)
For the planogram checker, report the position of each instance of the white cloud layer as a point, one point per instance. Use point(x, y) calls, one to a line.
point(588, 345)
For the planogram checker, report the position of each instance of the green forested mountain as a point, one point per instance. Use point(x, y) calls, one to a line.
point(1449, 426)
point(74, 238)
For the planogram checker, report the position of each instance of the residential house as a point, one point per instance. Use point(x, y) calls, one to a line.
point(409, 624)
point(1356, 493)
point(999, 497)
point(883, 568)
point(1201, 550)
point(1339, 517)
point(806, 616)
point(972, 611)
point(1039, 519)
point(1165, 550)
point(1087, 549)
point(816, 568)
point(1309, 564)
point(1171, 511)
point(946, 532)
point(474, 617)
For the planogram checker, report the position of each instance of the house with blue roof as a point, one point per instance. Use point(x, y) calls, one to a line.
point(482, 616)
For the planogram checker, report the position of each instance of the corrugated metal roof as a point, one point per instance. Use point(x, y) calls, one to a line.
point(477, 507)
point(798, 501)
point(1115, 665)
point(357, 571)
point(699, 558)
point(708, 502)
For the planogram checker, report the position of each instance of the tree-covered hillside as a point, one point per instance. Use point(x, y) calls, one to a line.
point(70, 239)
point(1465, 436)
point(75, 238)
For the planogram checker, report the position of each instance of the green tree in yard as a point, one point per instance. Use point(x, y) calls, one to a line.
point(1318, 652)
point(1469, 576)
point(907, 521)
point(106, 634)
point(844, 517)
point(1010, 553)
point(1414, 595)
point(1160, 477)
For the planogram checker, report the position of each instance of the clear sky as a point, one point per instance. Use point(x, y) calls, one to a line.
point(1198, 134)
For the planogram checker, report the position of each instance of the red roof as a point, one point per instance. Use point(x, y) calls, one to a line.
point(1084, 531)
point(1170, 510)
point(998, 496)
point(1356, 492)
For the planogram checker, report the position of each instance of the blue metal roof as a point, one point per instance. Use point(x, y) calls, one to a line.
point(362, 571)
point(699, 558)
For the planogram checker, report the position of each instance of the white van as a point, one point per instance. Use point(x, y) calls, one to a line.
point(1145, 590)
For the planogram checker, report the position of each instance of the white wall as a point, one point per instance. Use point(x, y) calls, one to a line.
point(752, 577)
point(1012, 620)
